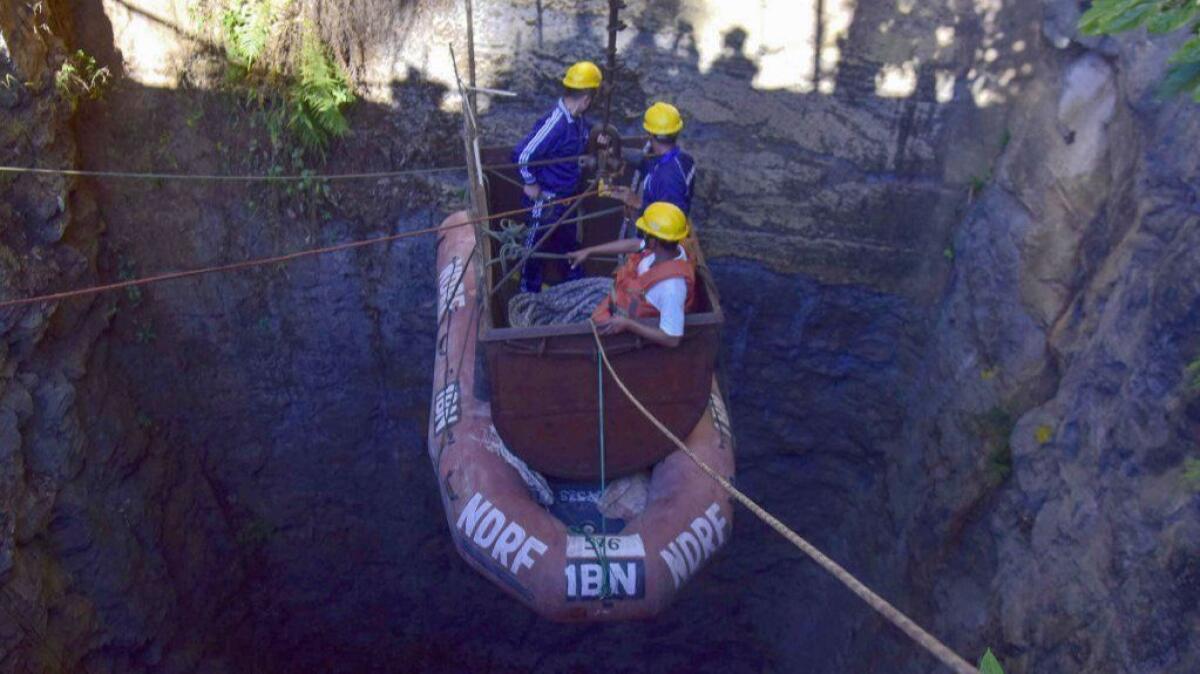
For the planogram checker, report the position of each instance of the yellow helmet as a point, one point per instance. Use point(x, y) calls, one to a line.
point(583, 75)
point(663, 220)
point(662, 119)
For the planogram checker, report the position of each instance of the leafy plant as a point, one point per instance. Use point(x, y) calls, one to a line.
point(194, 117)
point(995, 427)
point(1107, 17)
point(1193, 376)
point(1191, 474)
point(81, 77)
point(145, 333)
point(127, 272)
point(303, 99)
point(318, 96)
point(1000, 463)
point(988, 664)
point(978, 182)
point(247, 30)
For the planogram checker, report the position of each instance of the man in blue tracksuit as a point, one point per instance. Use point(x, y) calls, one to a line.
point(561, 133)
point(666, 172)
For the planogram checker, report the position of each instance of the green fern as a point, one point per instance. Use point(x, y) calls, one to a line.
point(1106, 17)
point(318, 96)
point(247, 25)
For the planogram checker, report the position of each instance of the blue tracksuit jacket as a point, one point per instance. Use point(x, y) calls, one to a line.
point(556, 134)
point(669, 178)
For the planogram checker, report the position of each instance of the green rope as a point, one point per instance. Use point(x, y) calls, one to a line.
point(602, 553)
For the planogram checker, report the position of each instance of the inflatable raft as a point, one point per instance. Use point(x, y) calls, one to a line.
point(535, 534)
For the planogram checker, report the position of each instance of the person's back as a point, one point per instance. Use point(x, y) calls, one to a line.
point(669, 178)
point(557, 135)
point(665, 172)
point(561, 134)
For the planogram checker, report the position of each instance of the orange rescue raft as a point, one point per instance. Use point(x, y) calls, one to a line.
point(501, 530)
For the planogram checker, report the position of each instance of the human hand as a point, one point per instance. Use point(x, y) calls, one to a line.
point(625, 195)
point(532, 191)
point(614, 326)
point(578, 257)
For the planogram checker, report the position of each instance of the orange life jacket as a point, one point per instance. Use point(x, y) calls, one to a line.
point(628, 297)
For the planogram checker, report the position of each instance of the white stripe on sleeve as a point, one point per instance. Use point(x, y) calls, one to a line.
point(534, 142)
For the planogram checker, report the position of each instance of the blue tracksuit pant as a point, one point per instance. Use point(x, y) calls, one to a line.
point(562, 241)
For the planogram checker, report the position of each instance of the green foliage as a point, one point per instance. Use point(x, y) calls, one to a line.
point(1107, 17)
point(247, 30)
point(988, 664)
point(978, 183)
point(81, 77)
point(145, 333)
point(304, 99)
point(995, 428)
point(254, 534)
point(1193, 376)
point(1000, 463)
point(318, 96)
point(997, 424)
point(194, 117)
point(1191, 474)
point(127, 272)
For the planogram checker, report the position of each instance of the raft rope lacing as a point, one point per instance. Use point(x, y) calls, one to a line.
point(891, 613)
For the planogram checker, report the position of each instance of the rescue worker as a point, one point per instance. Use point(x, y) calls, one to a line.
point(561, 133)
point(666, 171)
point(657, 280)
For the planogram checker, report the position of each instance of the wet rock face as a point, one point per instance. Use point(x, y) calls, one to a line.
point(956, 247)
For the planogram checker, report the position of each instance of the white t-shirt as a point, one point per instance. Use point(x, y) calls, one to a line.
point(668, 296)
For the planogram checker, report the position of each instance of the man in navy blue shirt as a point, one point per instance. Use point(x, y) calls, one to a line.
point(560, 134)
point(666, 172)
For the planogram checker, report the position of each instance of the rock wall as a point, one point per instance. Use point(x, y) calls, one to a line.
point(105, 532)
point(956, 245)
point(1073, 308)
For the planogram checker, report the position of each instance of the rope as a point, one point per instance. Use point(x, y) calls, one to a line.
point(893, 615)
point(256, 262)
point(202, 177)
point(602, 553)
point(545, 237)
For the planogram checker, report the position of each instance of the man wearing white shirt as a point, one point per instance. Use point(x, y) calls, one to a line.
point(657, 280)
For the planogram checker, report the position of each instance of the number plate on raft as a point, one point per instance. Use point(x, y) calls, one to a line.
point(587, 557)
